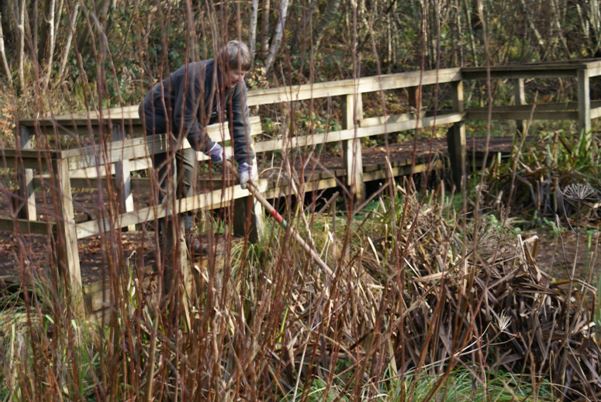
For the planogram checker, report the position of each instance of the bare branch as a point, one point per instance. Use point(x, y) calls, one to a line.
point(539, 38)
point(265, 28)
point(68, 44)
point(252, 37)
point(21, 29)
point(279, 33)
point(51, 33)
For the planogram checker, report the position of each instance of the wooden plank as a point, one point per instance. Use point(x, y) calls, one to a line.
point(25, 226)
point(595, 112)
point(384, 120)
point(27, 210)
point(456, 141)
point(360, 132)
point(34, 158)
point(403, 170)
point(378, 174)
point(66, 237)
point(136, 148)
point(88, 124)
point(584, 102)
point(123, 176)
point(145, 162)
point(525, 112)
point(212, 200)
point(223, 197)
point(346, 87)
point(594, 68)
point(353, 159)
point(128, 115)
point(320, 184)
point(545, 70)
point(220, 132)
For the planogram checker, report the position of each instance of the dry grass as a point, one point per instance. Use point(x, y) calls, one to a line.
point(416, 293)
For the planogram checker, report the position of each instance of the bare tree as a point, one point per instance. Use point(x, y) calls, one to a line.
point(52, 26)
point(67, 47)
point(21, 29)
point(3, 55)
point(265, 27)
point(252, 37)
point(277, 38)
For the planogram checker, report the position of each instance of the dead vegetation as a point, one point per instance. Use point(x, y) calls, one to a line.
point(415, 293)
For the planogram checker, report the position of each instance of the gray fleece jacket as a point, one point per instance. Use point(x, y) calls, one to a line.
point(191, 98)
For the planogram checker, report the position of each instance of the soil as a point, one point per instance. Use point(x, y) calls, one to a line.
point(570, 254)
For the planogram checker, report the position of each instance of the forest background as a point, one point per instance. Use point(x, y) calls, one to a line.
point(111, 51)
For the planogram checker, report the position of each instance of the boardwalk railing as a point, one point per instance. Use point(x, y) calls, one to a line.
point(63, 151)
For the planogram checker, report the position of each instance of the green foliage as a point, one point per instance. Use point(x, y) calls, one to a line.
point(312, 122)
point(544, 175)
point(460, 385)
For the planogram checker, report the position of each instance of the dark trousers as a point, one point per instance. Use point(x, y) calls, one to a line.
point(177, 173)
point(171, 171)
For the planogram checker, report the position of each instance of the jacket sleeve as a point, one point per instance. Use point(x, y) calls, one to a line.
point(240, 126)
point(186, 113)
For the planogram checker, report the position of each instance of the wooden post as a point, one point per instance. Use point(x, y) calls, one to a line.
point(520, 99)
point(26, 208)
point(584, 101)
point(456, 141)
point(353, 159)
point(415, 101)
point(248, 215)
point(123, 176)
point(68, 254)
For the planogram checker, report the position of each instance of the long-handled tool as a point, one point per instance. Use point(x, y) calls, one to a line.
point(255, 192)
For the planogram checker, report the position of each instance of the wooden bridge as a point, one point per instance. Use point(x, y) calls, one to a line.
point(102, 149)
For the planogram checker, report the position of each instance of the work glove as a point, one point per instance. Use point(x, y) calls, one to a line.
point(245, 173)
point(216, 153)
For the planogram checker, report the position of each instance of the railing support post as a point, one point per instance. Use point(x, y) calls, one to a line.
point(123, 176)
point(26, 206)
point(584, 101)
point(353, 159)
point(520, 99)
point(66, 237)
point(456, 141)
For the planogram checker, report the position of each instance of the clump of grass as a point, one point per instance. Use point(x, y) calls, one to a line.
point(554, 175)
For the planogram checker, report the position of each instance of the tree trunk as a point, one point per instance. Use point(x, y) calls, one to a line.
point(9, 12)
point(539, 38)
point(3, 55)
point(277, 38)
point(252, 37)
point(67, 48)
point(265, 28)
point(51, 33)
point(21, 29)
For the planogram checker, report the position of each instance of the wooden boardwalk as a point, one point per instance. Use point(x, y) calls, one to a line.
point(104, 150)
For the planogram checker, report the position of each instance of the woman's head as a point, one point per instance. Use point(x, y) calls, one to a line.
point(234, 61)
point(235, 56)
